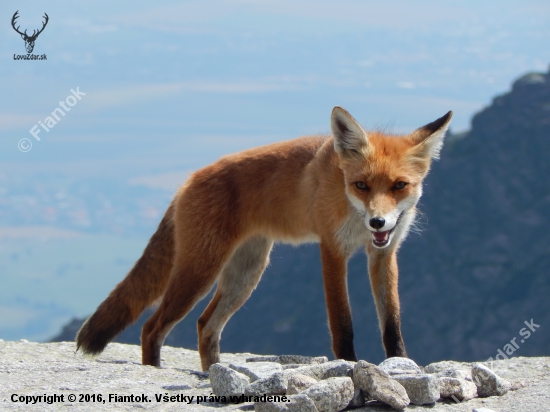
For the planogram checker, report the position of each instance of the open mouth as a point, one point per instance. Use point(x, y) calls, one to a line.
point(381, 239)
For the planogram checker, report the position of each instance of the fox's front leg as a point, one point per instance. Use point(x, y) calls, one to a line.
point(336, 295)
point(383, 278)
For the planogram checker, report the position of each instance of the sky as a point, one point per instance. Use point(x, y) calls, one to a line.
point(208, 78)
point(167, 87)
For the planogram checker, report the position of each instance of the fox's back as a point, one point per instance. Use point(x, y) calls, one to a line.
point(257, 189)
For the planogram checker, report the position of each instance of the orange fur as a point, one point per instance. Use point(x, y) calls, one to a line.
point(224, 220)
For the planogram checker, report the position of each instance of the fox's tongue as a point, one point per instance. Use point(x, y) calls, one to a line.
point(381, 236)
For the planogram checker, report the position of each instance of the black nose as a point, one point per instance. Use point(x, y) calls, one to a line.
point(377, 222)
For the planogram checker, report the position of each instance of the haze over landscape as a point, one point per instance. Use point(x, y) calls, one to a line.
point(171, 87)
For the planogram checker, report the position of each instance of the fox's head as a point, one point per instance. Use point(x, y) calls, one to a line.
point(383, 173)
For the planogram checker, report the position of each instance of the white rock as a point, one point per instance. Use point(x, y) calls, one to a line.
point(421, 389)
point(299, 383)
point(332, 394)
point(398, 365)
point(460, 389)
point(488, 383)
point(226, 381)
point(377, 384)
point(272, 385)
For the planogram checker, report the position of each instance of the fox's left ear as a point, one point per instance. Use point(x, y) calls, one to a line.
point(429, 138)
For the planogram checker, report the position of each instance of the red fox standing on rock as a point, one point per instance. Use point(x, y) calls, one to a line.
point(346, 191)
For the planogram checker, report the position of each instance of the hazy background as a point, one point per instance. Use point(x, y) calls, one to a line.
point(171, 87)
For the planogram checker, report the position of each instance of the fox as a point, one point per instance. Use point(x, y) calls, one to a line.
point(349, 190)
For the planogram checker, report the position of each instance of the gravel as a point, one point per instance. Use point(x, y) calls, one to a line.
point(29, 370)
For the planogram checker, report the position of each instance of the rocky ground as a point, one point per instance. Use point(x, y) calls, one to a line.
point(36, 372)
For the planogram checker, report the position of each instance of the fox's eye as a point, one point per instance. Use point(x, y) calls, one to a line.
point(362, 186)
point(399, 185)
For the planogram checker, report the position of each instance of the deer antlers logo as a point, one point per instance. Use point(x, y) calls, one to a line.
point(29, 40)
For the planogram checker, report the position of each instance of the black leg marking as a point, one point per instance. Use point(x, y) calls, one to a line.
point(345, 349)
point(393, 341)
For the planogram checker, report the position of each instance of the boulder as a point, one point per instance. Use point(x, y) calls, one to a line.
point(461, 389)
point(299, 383)
point(226, 381)
point(275, 384)
point(377, 384)
point(488, 383)
point(398, 366)
point(332, 394)
point(422, 389)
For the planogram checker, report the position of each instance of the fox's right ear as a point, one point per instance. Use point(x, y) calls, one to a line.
point(349, 136)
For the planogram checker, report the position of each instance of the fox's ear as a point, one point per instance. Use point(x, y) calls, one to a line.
point(429, 138)
point(349, 136)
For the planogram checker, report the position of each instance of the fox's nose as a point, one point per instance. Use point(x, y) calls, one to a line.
point(377, 222)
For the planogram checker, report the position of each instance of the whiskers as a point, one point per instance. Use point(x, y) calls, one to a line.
point(419, 222)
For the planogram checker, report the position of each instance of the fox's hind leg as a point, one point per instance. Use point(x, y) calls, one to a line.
point(236, 283)
point(194, 273)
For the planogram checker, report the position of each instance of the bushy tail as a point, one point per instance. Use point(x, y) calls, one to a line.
point(144, 284)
